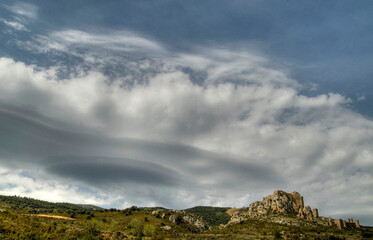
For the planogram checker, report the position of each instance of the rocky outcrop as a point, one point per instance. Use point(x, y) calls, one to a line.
point(167, 228)
point(315, 213)
point(279, 202)
point(340, 223)
point(283, 202)
point(179, 217)
point(197, 222)
point(306, 213)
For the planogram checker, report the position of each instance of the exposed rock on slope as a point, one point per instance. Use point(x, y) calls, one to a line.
point(278, 202)
point(283, 202)
point(279, 208)
point(179, 217)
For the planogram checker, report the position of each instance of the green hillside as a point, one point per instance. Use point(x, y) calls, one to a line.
point(213, 215)
point(30, 205)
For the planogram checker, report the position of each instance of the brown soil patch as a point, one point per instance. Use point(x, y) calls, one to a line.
point(54, 216)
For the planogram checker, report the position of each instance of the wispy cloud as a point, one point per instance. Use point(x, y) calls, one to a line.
point(15, 25)
point(119, 40)
point(114, 41)
point(24, 10)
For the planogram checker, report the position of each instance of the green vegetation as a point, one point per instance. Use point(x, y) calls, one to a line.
point(214, 216)
point(24, 203)
point(69, 221)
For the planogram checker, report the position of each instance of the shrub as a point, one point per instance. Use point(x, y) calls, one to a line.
point(277, 235)
point(149, 230)
point(136, 227)
point(91, 233)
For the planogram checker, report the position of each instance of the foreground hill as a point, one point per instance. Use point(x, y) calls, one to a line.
point(273, 218)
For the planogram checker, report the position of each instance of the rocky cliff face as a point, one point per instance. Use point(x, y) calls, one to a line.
point(278, 202)
point(283, 202)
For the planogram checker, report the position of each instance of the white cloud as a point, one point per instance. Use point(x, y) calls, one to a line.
point(15, 25)
point(98, 44)
point(118, 41)
point(20, 184)
point(239, 107)
point(24, 10)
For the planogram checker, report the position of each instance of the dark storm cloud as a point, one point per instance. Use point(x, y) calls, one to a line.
point(29, 139)
point(104, 171)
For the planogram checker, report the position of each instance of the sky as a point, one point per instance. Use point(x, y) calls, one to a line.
point(183, 103)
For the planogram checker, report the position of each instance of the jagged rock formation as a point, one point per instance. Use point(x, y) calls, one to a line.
point(283, 202)
point(279, 202)
point(277, 206)
point(178, 217)
point(340, 223)
point(315, 213)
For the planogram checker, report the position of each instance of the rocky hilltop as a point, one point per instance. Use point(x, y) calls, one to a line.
point(282, 207)
point(283, 202)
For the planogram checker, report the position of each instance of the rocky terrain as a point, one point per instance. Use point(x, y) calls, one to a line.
point(177, 217)
point(289, 209)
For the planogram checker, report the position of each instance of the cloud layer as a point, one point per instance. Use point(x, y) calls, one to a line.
point(129, 118)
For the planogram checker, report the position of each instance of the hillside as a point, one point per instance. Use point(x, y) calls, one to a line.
point(262, 220)
point(213, 215)
point(31, 205)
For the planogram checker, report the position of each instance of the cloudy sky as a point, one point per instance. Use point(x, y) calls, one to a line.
point(181, 103)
